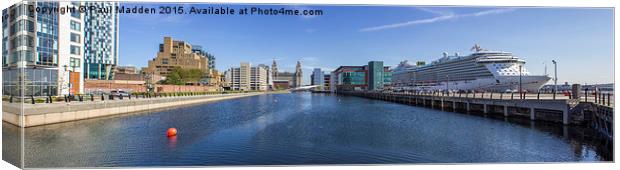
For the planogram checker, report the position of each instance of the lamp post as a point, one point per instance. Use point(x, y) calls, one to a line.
point(555, 79)
point(520, 84)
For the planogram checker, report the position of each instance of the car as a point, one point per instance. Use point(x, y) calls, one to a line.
point(119, 93)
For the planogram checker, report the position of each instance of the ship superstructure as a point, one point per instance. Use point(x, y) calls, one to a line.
point(482, 70)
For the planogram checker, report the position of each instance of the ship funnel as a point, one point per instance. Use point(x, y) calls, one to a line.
point(445, 54)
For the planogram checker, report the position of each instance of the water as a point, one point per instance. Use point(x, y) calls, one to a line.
point(300, 128)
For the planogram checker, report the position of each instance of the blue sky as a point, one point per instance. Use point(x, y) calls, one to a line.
point(580, 39)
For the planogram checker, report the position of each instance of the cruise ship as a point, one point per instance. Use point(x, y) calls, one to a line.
point(482, 70)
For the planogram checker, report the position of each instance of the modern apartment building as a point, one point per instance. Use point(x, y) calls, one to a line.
point(174, 54)
point(245, 77)
point(42, 52)
point(100, 42)
point(198, 49)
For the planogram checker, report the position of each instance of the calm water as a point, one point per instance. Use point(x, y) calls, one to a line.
point(300, 128)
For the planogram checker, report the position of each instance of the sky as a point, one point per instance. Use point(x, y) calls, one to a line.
point(579, 39)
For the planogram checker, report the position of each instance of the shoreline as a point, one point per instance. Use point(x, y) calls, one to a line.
point(44, 114)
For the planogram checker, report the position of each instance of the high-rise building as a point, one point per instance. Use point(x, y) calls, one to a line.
point(317, 78)
point(173, 54)
point(375, 75)
point(42, 52)
point(245, 77)
point(297, 79)
point(100, 42)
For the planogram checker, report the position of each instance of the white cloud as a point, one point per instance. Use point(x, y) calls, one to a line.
point(443, 15)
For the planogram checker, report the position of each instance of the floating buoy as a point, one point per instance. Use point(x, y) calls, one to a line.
point(171, 132)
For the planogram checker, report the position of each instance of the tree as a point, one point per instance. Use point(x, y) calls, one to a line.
point(180, 76)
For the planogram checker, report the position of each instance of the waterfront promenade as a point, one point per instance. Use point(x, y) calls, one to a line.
point(57, 112)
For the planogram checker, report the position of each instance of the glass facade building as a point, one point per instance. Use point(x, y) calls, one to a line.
point(30, 50)
point(375, 75)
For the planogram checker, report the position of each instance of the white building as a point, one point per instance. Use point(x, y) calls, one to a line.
point(246, 77)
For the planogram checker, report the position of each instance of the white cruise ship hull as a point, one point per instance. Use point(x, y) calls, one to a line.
point(500, 84)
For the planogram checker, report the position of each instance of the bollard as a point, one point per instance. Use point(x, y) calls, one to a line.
point(111, 97)
point(538, 96)
point(50, 97)
point(11, 99)
point(32, 98)
point(129, 96)
point(120, 96)
point(102, 98)
point(81, 98)
point(501, 95)
point(66, 100)
point(491, 97)
point(47, 100)
point(512, 95)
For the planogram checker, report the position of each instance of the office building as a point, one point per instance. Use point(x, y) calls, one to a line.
point(375, 75)
point(317, 78)
point(356, 78)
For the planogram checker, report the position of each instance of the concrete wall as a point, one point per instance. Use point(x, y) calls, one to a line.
point(42, 114)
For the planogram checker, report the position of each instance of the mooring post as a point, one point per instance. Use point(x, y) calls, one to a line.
point(467, 107)
point(453, 106)
point(565, 115)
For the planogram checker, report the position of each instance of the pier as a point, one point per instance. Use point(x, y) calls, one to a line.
point(596, 113)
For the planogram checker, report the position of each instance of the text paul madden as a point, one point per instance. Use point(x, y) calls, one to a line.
point(172, 9)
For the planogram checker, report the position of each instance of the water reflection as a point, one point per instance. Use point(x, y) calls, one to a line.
point(302, 128)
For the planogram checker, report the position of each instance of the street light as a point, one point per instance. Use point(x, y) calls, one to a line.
point(555, 79)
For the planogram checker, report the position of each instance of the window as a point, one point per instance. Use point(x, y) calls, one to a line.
point(75, 26)
point(76, 15)
point(75, 38)
point(74, 62)
point(75, 50)
point(164, 61)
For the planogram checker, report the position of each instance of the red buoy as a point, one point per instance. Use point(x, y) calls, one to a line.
point(171, 132)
